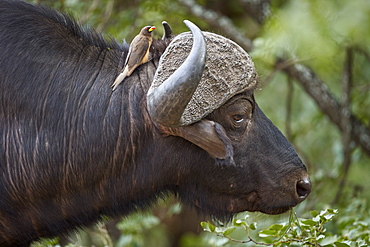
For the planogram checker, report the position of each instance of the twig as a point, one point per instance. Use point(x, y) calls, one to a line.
point(251, 240)
point(346, 119)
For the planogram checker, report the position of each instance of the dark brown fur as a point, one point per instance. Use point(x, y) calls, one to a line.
point(72, 151)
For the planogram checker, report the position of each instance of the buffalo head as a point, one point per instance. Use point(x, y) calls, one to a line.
point(208, 99)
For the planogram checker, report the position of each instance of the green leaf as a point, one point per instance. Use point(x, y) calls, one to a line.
point(268, 239)
point(329, 240)
point(229, 231)
point(204, 225)
point(332, 211)
point(338, 244)
point(267, 232)
point(328, 217)
point(211, 227)
point(253, 226)
point(276, 227)
point(321, 236)
point(207, 226)
point(314, 213)
point(309, 222)
point(239, 222)
point(150, 221)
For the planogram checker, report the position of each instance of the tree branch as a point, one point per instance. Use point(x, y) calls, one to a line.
point(85, 17)
point(218, 21)
point(324, 99)
point(258, 10)
point(106, 15)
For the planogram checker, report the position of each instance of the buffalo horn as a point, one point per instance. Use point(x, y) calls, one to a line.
point(167, 30)
point(167, 102)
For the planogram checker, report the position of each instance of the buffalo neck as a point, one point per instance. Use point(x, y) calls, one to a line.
point(81, 138)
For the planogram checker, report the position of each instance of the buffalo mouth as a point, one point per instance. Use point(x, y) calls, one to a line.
point(271, 202)
point(225, 207)
point(276, 210)
point(253, 203)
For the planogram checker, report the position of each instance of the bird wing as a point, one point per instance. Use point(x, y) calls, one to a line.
point(138, 49)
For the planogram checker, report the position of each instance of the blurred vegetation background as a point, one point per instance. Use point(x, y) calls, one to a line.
point(313, 59)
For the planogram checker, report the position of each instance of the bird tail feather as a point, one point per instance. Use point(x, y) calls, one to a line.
point(119, 79)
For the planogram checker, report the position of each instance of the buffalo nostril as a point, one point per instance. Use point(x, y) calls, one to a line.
point(303, 188)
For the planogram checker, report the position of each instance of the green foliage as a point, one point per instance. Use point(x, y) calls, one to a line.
point(325, 228)
point(46, 242)
point(140, 230)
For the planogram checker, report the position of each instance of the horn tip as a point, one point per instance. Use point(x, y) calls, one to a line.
point(192, 26)
point(187, 22)
point(167, 30)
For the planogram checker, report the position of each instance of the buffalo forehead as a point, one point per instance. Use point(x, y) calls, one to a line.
point(229, 70)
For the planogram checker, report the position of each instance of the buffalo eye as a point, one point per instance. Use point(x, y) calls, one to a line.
point(238, 118)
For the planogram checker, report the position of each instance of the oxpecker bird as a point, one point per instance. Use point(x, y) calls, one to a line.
point(137, 54)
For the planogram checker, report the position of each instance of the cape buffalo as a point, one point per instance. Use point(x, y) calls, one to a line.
point(72, 150)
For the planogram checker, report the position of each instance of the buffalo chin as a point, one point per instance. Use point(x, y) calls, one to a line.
point(274, 211)
point(244, 204)
point(225, 211)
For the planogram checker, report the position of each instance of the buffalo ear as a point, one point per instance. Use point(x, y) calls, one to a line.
point(207, 135)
